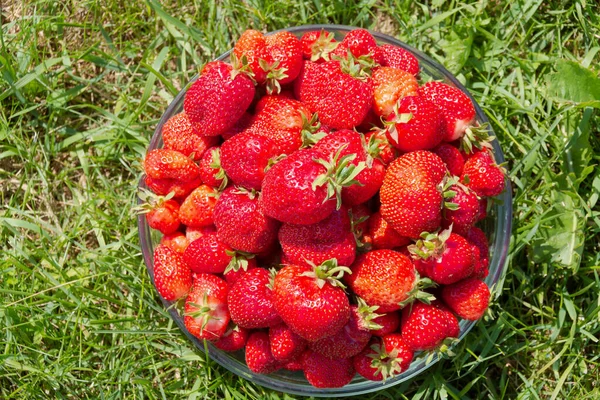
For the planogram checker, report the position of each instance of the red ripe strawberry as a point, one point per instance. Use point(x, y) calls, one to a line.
point(211, 172)
point(162, 213)
point(416, 124)
point(478, 238)
point(391, 85)
point(388, 55)
point(178, 134)
point(424, 326)
point(317, 45)
point(444, 257)
point(410, 199)
point(208, 254)
point(453, 326)
point(241, 224)
point(206, 315)
point(245, 157)
point(274, 60)
point(359, 220)
point(241, 125)
point(176, 241)
point(233, 339)
point(389, 322)
point(302, 189)
point(196, 233)
point(348, 342)
point(382, 236)
point(258, 354)
point(384, 358)
point(287, 122)
point(483, 205)
point(313, 244)
point(285, 344)
point(359, 42)
point(294, 365)
point(456, 107)
point(179, 189)
point(309, 303)
point(197, 209)
point(452, 157)
point(341, 92)
point(384, 278)
point(463, 210)
point(323, 372)
point(172, 276)
point(218, 98)
point(250, 300)
point(482, 175)
point(468, 298)
point(170, 164)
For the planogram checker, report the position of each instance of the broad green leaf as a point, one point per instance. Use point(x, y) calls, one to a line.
point(573, 83)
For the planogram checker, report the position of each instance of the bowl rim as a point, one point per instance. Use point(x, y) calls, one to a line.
point(498, 261)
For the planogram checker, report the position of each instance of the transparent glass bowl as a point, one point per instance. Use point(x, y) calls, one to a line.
point(497, 226)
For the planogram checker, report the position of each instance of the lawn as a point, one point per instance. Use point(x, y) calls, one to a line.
point(82, 86)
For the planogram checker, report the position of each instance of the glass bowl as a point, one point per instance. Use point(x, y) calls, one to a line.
point(497, 226)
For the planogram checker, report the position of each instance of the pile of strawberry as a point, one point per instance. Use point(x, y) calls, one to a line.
point(318, 205)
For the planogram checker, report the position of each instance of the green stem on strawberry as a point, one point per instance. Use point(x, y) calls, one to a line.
point(386, 364)
point(328, 272)
point(367, 315)
point(239, 260)
point(418, 293)
point(357, 67)
point(323, 46)
point(310, 133)
point(220, 174)
point(476, 137)
point(274, 75)
point(430, 244)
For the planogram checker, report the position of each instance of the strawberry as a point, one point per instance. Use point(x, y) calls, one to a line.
point(410, 199)
point(285, 344)
point(323, 372)
point(170, 164)
point(198, 207)
point(349, 341)
point(359, 42)
point(359, 221)
point(287, 122)
point(415, 124)
point(192, 234)
point(377, 139)
point(389, 86)
point(250, 300)
point(179, 189)
point(245, 157)
point(384, 278)
point(452, 157)
point(384, 358)
point(240, 126)
point(206, 314)
point(464, 210)
point(211, 172)
point(233, 339)
point(208, 254)
point(468, 298)
point(172, 276)
point(482, 175)
point(382, 236)
point(456, 107)
point(162, 213)
point(308, 302)
point(424, 326)
point(274, 60)
point(317, 45)
point(483, 206)
point(478, 238)
point(258, 354)
point(241, 224)
point(178, 134)
point(340, 91)
point(238, 268)
point(176, 241)
point(445, 257)
point(218, 98)
point(302, 189)
point(316, 243)
point(388, 55)
point(294, 365)
point(388, 322)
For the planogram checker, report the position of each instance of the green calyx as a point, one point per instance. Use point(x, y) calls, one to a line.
point(367, 315)
point(444, 350)
point(202, 311)
point(240, 66)
point(274, 75)
point(430, 245)
point(339, 173)
point(328, 272)
point(357, 67)
point(386, 364)
point(399, 118)
point(216, 164)
point(355, 221)
point(476, 138)
point(239, 260)
point(311, 133)
point(150, 201)
point(418, 292)
point(251, 193)
point(323, 46)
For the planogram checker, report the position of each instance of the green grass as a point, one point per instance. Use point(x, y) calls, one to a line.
point(82, 85)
